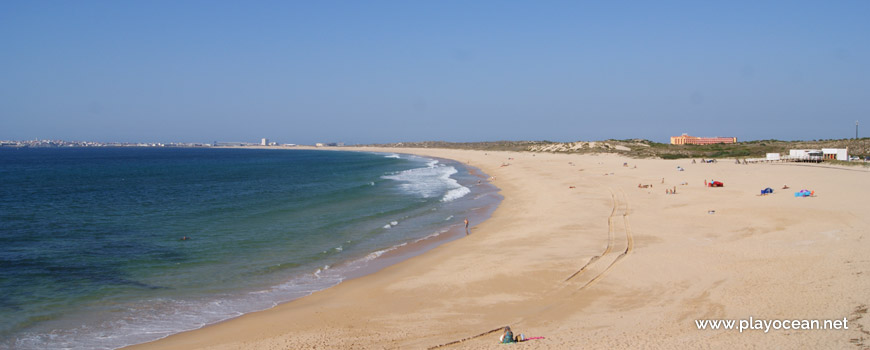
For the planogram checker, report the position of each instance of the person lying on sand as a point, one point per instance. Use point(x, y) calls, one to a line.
point(507, 337)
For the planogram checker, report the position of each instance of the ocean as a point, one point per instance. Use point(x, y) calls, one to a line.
point(106, 247)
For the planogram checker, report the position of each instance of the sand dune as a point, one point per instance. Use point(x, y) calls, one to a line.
point(604, 264)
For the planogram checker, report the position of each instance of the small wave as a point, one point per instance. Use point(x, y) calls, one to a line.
point(377, 254)
point(455, 193)
point(394, 223)
point(339, 248)
point(448, 218)
point(396, 156)
point(387, 226)
point(319, 271)
point(432, 235)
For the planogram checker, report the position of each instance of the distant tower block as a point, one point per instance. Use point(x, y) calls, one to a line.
point(264, 142)
point(693, 140)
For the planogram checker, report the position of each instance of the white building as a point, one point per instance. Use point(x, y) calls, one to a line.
point(836, 153)
point(773, 156)
point(264, 142)
point(819, 154)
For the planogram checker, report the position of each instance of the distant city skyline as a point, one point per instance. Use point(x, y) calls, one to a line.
point(382, 72)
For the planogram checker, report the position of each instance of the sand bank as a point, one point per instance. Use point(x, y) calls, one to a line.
point(580, 255)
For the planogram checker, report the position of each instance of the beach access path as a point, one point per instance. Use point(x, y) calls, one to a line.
point(577, 253)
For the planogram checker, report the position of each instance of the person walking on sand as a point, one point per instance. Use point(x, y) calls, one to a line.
point(466, 226)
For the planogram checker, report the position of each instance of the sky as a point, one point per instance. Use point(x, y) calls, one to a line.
point(391, 71)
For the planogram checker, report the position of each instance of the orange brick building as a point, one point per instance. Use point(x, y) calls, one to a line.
point(694, 140)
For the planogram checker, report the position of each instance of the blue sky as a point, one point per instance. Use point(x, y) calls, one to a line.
point(391, 71)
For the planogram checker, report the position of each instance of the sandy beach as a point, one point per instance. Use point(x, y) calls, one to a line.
point(578, 254)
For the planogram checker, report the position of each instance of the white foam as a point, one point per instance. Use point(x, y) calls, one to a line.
point(394, 223)
point(448, 218)
point(392, 156)
point(431, 181)
point(432, 235)
point(377, 254)
point(387, 226)
point(455, 193)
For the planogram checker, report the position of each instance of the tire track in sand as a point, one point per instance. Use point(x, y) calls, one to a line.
point(599, 266)
point(610, 239)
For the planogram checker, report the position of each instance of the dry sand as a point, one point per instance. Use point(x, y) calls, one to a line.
point(604, 264)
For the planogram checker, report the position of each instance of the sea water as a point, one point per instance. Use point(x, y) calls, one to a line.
point(107, 247)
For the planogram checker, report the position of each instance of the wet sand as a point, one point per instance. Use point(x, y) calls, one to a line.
point(580, 255)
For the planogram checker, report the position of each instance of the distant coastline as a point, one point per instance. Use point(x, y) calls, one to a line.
point(633, 148)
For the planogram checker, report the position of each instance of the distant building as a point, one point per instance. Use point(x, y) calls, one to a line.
point(694, 140)
point(264, 142)
point(318, 144)
point(233, 144)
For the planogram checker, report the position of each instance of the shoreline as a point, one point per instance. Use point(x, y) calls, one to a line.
point(577, 253)
point(398, 253)
point(413, 238)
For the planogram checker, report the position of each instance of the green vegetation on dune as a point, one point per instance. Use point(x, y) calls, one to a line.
point(640, 148)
